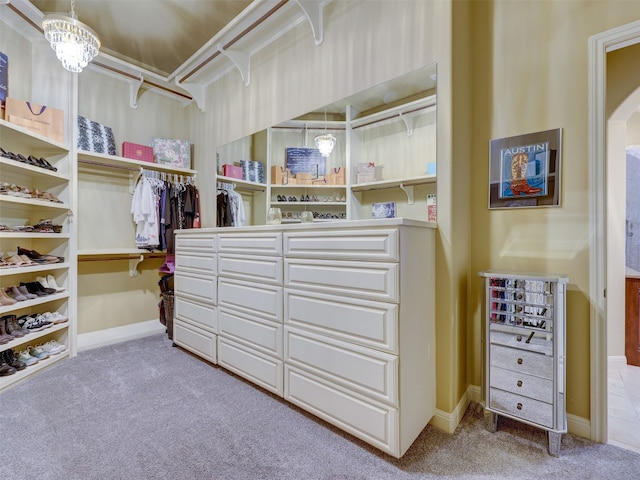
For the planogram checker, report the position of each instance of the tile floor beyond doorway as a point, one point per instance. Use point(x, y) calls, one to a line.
point(624, 404)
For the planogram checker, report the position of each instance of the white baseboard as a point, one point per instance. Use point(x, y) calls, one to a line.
point(110, 336)
point(449, 421)
point(616, 360)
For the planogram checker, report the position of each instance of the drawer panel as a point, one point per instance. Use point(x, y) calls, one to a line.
point(360, 369)
point(540, 342)
point(522, 361)
point(252, 268)
point(195, 287)
point(364, 322)
point(261, 334)
point(375, 423)
point(267, 243)
point(196, 263)
point(522, 407)
point(251, 298)
point(196, 340)
point(378, 281)
point(522, 384)
point(200, 315)
point(256, 367)
point(372, 244)
point(200, 242)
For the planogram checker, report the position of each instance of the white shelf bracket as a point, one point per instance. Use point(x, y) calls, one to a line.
point(133, 265)
point(134, 91)
point(196, 90)
point(134, 177)
point(408, 189)
point(408, 122)
point(314, 11)
point(241, 60)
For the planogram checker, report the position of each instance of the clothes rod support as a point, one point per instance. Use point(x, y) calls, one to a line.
point(408, 122)
point(241, 60)
point(134, 91)
point(314, 11)
point(408, 189)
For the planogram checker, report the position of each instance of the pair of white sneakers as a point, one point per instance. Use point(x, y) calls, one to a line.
point(49, 282)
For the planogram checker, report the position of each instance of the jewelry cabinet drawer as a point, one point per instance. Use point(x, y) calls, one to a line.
point(369, 280)
point(364, 370)
point(362, 322)
point(521, 384)
point(254, 244)
point(531, 340)
point(251, 267)
point(257, 332)
point(374, 244)
point(522, 361)
point(521, 407)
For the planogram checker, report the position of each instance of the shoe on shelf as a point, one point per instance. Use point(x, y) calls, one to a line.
point(38, 257)
point(13, 292)
point(5, 336)
point(51, 281)
point(12, 327)
point(34, 288)
point(6, 370)
point(6, 300)
point(37, 352)
point(11, 359)
point(33, 323)
point(48, 282)
point(27, 359)
point(54, 317)
point(53, 347)
point(23, 290)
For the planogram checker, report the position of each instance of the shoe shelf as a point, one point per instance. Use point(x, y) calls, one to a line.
point(114, 161)
point(32, 337)
point(27, 372)
point(14, 167)
point(6, 234)
point(6, 271)
point(5, 309)
point(305, 204)
point(307, 187)
point(30, 140)
point(33, 201)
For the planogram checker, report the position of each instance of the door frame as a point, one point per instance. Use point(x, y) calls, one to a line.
point(599, 46)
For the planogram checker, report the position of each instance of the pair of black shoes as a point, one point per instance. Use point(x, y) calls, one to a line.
point(30, 160)
point(38, 289)
point(9, 364)
point(39, 257)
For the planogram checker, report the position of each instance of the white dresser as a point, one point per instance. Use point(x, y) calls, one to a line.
point(338, 318)
point(525, 351)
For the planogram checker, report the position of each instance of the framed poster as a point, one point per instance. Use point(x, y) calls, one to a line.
point(524, 171)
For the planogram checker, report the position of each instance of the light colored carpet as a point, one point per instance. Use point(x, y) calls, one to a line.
point(146, 410)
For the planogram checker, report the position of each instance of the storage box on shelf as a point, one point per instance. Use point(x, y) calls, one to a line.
point(525, 351)
point(35, 203)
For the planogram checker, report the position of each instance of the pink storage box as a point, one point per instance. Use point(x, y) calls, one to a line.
point(137, 152)
point(232, 171)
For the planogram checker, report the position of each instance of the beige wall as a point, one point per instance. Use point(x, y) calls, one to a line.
point(530, 74)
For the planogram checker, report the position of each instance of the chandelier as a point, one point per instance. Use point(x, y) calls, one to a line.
point(75, 43)
point(326, 141)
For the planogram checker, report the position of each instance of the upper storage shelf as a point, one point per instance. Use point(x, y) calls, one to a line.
point(19, 136)
point(114, 161)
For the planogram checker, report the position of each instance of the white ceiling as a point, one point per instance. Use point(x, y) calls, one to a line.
point(156, 35)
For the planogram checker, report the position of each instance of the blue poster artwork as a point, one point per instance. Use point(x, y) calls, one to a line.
point(524, 171)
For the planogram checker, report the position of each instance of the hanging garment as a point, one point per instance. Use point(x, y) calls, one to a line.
point(145, 215)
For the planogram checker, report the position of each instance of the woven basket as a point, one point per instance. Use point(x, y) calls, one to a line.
point(167, 305)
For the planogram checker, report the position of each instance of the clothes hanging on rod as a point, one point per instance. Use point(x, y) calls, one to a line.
point(230, 208)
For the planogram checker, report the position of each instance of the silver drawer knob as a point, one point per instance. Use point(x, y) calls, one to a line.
point(519, 383)
point(519, 361)
point(519, 406)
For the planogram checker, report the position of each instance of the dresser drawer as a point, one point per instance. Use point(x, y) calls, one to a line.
point(256, 367)
point(540, 342)
point(196, 262)
point(204, 243)
point(251, 244)
point(522, 384)
point(251, 298)
point(196, 340)
point(360, 369)
point(363, 322)
point(521, 407)
point(251, 267)
point(196, 287)
point(263, 335)
point(198, 314)
point(371, 421)
point(522, 361)
point(370, 280)
point(374, 244)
